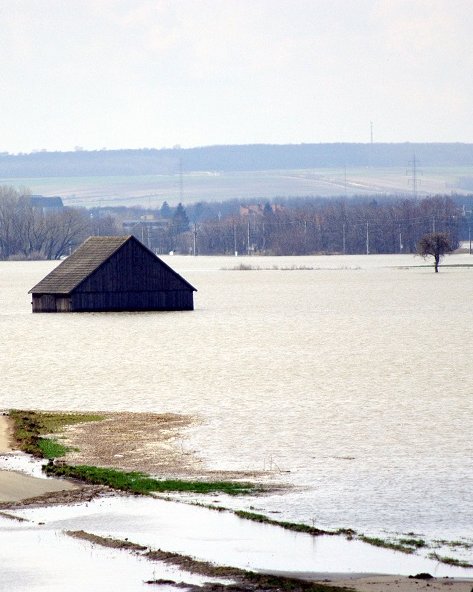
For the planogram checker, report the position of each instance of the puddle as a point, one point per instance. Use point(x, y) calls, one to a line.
point(225, 539)
point(22, 463)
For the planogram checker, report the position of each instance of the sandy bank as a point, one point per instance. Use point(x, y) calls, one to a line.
point(16, 487)
point(399, 584)
point(148, 442)
point(5, 434)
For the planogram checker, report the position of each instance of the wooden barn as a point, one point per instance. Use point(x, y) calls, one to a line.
point(112, 273)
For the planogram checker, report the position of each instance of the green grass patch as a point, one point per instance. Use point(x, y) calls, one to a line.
point(30, 427)
point(453, 544)
point(377, 542)
point(52, 448)
point(136, 482)
point(417, 543)
point(295, 526)
point(450, 560)
point(347, 532)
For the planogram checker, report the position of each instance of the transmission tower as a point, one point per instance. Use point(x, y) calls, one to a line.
point(181, 182)
point(413, 172)
point(370, 155)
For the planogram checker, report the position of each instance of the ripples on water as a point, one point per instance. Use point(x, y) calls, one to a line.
point(354, 376)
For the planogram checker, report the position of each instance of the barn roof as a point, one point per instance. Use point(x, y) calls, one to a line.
point(83, 262)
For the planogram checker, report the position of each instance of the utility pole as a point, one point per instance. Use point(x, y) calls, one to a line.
point(248, 236)
point(344, 239)
point(367, 238)
point(195, 239)
point(234, 240)
point(470, 212)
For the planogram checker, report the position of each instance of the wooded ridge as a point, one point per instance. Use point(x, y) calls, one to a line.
point(251, 157)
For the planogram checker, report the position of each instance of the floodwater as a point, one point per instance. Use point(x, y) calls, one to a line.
point(40, 558)
point(348, 377)
point(225, 539)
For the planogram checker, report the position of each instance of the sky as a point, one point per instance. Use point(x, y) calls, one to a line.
point(115, 74)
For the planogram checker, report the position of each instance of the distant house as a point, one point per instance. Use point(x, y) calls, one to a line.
point(259, 209)
point(46, 204)
point(112, 273)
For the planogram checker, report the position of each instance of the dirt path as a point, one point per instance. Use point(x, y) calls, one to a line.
point(5, 434)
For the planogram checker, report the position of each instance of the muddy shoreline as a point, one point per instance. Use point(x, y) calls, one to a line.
point(153, 443)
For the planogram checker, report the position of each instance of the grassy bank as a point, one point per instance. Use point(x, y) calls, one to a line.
point(409, 546)
point(136, 482)
point(294, 526)
point(31, 427)
point(450, 560)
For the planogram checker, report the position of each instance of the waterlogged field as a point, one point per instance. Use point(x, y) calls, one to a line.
point(152, 190)
point(347, 378)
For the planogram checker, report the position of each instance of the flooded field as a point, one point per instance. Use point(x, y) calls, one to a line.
point(346, 377)
point(225, 539)
point(152, 190)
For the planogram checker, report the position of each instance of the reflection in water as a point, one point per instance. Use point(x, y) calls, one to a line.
point(352, 378)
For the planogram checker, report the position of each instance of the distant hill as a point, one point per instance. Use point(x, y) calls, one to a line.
point(252, 157)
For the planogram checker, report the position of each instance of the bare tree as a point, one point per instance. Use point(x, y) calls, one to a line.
point(27, 232)
point(64, 230)
point(9, 221)
point(436, 245)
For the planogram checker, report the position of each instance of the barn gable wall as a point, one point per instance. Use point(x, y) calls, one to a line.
point(132, 301)
point(132, 269)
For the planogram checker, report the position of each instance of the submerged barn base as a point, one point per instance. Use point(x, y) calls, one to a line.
point(113, 302)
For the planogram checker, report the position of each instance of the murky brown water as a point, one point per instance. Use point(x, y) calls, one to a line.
point(355, 377)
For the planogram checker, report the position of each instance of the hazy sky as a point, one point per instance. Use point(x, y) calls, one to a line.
point(156, 73)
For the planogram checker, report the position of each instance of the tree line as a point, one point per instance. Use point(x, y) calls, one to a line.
point(305, 227)
point(281, 227)
point(251, 157)
point(31, 232)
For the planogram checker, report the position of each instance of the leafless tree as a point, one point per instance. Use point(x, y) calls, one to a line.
point(436, 245)
point(28, 232)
